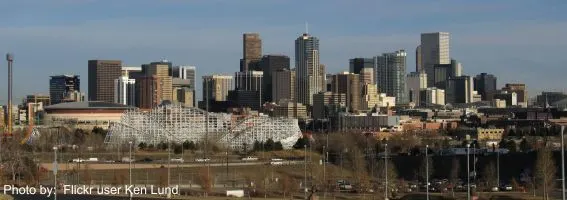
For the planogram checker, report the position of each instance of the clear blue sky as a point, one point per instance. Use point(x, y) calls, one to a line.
point(517, 40)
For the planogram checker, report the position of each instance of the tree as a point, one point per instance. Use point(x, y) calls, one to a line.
point(269, 145)
point(423, 168)
point(545, 171)
point(524, 145)
point(186, 145)
point(454, 176)
point(392, 172)
point(162, 146)
point(512, 146)
point(205, 180)
point(177, 149)
point(301, 142)
point(87, 178)
point(287, 185)
point(192, 146)
point(490, 175)
point(257, 146)
point(142, 145)
point(278, 146)
point(503, 144)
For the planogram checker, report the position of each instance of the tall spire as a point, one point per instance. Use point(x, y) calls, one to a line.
point(306, 28)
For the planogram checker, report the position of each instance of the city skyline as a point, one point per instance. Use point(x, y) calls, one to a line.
point(59, 37)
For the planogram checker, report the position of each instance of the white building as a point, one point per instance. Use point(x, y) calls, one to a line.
point(434, 50)
point(125, 91)
point(416, 81)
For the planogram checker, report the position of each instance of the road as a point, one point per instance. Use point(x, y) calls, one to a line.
point(105, 166)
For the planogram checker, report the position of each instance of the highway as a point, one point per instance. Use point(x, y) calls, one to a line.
point(106, 166)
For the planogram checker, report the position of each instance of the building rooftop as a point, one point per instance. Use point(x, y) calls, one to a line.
point(87, 105)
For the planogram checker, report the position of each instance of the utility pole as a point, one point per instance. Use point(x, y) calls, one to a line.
point(305, 173)
point(427, 170)
point(130, 165)
point(55, 172)
point(386, 170)
point(562, 163)
point(468, 174)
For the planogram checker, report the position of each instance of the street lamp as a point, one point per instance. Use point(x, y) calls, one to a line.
point(130, 165)
point(468, 174)
point(427, 171)
point(386, 170)
point(562, 163)
point(55, 172)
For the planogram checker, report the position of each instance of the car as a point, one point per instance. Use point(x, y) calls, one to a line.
point(145, 160)
point(202, 160)
point(249, 158)
point(177, 160)
point(494, 189)
point(506, 188)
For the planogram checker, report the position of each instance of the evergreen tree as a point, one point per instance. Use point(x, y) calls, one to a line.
point(186, 144)
point(301, 142)
point(269, 145)
point(278, 146)
point(177, 149)
point(257, 146)
point(524, 145)
point(142, 145)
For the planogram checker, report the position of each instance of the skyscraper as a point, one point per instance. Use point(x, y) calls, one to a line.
point(283, 85)
point(161, 71)
point(249, 80)
point(252, 51)
point(186, 73)
point(485, 85)
point(270, 64)
point(390, 69)
point(61, 86)
point(520, 90)
point(459, 90)
point(416, 81)
point(358, 64)
point(148, 93)
point(102, 74)
point(434, 50)
point(418, 61)
point(307, 68)
point(125, 91)
point(367, 76)
point(216, 87)
point(443, 72)
point(349, 84)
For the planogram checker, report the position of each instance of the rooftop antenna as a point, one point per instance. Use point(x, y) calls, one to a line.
point(306, 28)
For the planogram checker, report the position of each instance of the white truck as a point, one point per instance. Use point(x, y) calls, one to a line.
point(92, 160)
point(202, 160)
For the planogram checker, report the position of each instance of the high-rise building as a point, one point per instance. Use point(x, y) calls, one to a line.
point(349, 84)
point(131, 70)
point(370, 97)
point(186, 73)
point(443, 72)
point(252, 52)
point(61, 86)
point(367, 76)
point(329, 80)
point(249, 80)
point(432, 96)
point(307, 68)
point(416, 81)
point(270, 64)
point(520, 90)
point(485, 85)
point(216, 87)
point(459, 90)
point(418, 60)
point(549, 98)
point(161, 70)
point(102, 74)
point(390, 69)
point(434, 50)
point(357, 64)
point(38, 98)
point(283, 85)
point(148, 93)
point(511, 98)
point(328, 104)
point(125, 91)
point(322, 77)
point(184, 96)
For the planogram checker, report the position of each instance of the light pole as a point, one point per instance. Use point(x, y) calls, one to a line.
point(55, 172)
point(474, 161)
point(562, 163)
point(468, 174)
point(305, 173)
point(324, 173)
point(498, 166)
point(386, 170)
point(427, 171)
point(130, 165)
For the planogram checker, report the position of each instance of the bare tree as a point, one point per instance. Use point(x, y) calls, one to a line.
point(287, 186)
point(545, 171)
point(87, 178)
point(359, 169)
point(454, 176)
point(392, 173)
point(425, 172)
point(205, 180)
point(490, 175)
